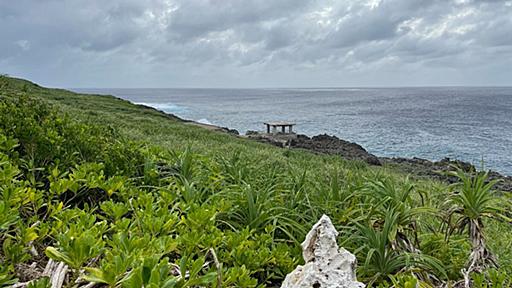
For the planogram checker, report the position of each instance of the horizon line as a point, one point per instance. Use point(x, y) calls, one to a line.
point(300, 87)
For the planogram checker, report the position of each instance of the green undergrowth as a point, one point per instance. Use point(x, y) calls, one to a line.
point(130, 197)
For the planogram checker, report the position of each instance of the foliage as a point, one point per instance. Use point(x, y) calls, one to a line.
point(491, 279)
point(128, 197)
point(473, 201)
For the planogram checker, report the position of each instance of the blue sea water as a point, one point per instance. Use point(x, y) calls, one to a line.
point(466, 123)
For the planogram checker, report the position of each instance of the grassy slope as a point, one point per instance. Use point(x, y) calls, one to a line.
point(306, 177)
point(147, 124)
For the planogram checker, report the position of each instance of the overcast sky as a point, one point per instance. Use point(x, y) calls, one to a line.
point(257, 43)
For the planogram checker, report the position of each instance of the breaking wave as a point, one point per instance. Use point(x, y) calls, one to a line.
point(204, 121)
point(166, 107)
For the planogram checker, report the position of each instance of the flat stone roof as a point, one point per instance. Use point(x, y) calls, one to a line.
point(279, 123)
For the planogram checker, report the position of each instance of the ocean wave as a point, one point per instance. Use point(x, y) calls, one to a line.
point(204, 121)
point(166, 107)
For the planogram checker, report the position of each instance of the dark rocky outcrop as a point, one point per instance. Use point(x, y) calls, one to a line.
point(334, 146)
point(324, 144)
point(230, 131)
point(437, 170)
point(416, 167)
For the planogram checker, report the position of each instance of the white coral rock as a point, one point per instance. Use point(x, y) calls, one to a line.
point(326, 265)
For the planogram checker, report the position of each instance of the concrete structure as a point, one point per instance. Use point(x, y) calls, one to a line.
point(279, 126)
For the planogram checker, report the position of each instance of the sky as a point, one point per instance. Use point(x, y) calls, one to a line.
point(257, 43)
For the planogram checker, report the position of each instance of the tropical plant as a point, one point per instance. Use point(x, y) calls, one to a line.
point(382, 259)
point(473, 200)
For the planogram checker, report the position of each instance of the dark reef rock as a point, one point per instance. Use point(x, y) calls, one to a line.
point(230, 131)
point(437, 170)
point(324, 144)
point(251, 132)
point(416, 167)
point(333, 145)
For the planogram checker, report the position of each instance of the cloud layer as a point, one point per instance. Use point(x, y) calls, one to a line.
point(255, 43)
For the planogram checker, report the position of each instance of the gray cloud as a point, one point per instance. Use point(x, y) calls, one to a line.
point(257, 42)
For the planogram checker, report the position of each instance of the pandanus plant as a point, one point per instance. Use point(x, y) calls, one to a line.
point(389, 195)
point(473, 200)
point(390, 237)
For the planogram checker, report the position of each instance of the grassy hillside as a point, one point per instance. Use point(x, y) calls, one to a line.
point(128, 196)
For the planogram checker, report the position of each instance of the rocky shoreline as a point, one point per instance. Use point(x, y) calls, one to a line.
point(416, 167)
point(332, 145)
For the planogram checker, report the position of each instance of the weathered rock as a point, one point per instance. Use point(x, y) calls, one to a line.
point(423, 168)
point(251, 132)
point(333, 145)
point(229, 130)
point(326, 265)
point(324, 144)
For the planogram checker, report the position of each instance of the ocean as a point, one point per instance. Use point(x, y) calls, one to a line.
point(467, 123)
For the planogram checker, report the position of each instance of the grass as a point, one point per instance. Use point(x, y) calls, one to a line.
point(128, 196)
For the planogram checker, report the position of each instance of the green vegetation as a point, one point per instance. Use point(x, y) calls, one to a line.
point(130, 197)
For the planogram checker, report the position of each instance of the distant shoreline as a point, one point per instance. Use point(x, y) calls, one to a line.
point(466, 124)
point(332, 145)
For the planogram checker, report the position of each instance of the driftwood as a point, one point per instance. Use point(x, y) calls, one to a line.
point(57, 272)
